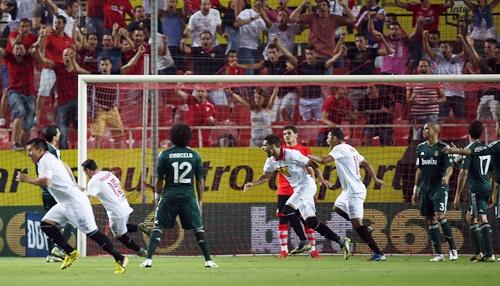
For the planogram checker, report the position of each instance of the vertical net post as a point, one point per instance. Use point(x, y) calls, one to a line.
point(144, 139)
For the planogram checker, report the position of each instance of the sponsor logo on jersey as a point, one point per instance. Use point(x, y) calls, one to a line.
point(429, 162)
point(436, 153)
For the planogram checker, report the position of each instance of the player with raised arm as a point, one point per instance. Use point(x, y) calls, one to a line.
point(179, 169)
point(285, 190)
point(475, 175)
point(293, 165)
point(434, 169)
point(73, 206)
point(349, 204)
point(105, 186)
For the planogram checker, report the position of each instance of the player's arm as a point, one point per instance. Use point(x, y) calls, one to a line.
point(159, 185)
point(414, 197)
point(263, 178)
point(368, 167)
point(462, 177)
point(23, 177)
point(200, 189)
point(318, 174)
point(321, 159)
point(494, 194)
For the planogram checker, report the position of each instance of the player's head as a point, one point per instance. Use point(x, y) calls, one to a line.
point(290, 135)
point(335, 137)
point(431, 130)
point(180, 135)
point(89, 167)
point(51, 134)
point(271, 145)
point(35, 148)
point(476, 129)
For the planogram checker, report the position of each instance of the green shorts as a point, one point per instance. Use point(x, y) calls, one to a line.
point(47, 200)
point(188, 211)
point(433, 201)
point(477, 203)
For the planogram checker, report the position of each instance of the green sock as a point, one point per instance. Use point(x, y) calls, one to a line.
point(203, 243)
point(445, 226)
point(154, 242)
point(434, 235)
point(486, 232)
point(475, 235)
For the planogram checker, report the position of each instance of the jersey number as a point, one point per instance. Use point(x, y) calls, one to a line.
point(484, 164)
point(115, 186)
point(185, 168)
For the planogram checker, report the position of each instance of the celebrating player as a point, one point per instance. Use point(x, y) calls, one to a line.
point(178, 166)
point(107, 188)
point(293, 166)
point(349, 204)
point(474, 174)
point(284, 192)
point(434, 169)
point(73, 206)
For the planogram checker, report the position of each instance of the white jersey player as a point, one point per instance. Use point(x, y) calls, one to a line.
point(73, 206)
point(349, 204)
point(293, 166)
point(107, 188)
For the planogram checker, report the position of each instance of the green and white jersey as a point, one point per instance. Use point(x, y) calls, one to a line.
point(492, 149)
point(178, 167)
point(432, 163)
point(479, 167)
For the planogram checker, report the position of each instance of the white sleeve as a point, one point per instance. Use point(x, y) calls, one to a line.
point(301, 159)
point(244, 15)
point(60, 12)
point(360, 157)
point(92, 188)
point(336, 153)
point(191, 22)
point(269, 167)
point(218, 18)
point(44, 170)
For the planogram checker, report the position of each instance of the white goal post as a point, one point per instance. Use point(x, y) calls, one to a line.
point(84, 80)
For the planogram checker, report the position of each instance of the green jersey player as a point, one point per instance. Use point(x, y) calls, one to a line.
point(179, 169)
point(434, 169)
point(475, 175)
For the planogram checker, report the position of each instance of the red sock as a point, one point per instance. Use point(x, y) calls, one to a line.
point(283, 236)
point(310, 237)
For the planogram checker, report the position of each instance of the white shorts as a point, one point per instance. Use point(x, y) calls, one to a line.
point(302, 199)
point(79, 215)
point(118, 225)
point(352, 205)
point(47, 82)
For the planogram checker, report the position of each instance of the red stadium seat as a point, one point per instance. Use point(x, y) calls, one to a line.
point(222, 113)
point(400, 134)
point(244, 136)
point(457, 131)
point(240, 115)
point(165, 115)
point(309, 136)
point(227, 129)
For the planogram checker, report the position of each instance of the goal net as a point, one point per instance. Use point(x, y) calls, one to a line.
point(382, 116)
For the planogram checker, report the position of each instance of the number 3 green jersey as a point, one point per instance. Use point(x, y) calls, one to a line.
point(479, 167)
point(178, 167)
point(432, 163)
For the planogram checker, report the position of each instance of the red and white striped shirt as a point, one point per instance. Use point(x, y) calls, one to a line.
point(425, 99)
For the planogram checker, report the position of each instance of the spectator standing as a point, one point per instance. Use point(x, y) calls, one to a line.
point(429, 12)
point(95, 17)
point(173, 27)
point(336, 108)
point(377, 13)
point(378, 109)
point(115, 11)
point(70, 12)
point(206, 19)
point(233, 33)
point(284, 31)
point(251, 23)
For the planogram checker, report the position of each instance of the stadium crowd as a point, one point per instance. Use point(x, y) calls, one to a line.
point(50, 42)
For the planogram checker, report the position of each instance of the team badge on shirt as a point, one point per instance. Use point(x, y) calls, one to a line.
point(436, 153)
point(284, 171)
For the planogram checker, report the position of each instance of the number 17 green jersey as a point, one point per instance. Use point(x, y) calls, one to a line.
point(479, 167)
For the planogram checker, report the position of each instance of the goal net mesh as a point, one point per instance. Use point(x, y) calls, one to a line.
point(383, 120)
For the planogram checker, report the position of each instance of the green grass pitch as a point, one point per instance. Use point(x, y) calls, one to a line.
point(251, 270)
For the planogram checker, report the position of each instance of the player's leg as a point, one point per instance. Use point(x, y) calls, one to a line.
point(308, 211)
point(427, 211)
point(165, 215)
point(440, 202)
point(190, 217)
point(48, 202)
point(355, 211)
point(291, 217)
point(119, 228)
point(475, 232)
point(282, 226)
point(484, 227)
